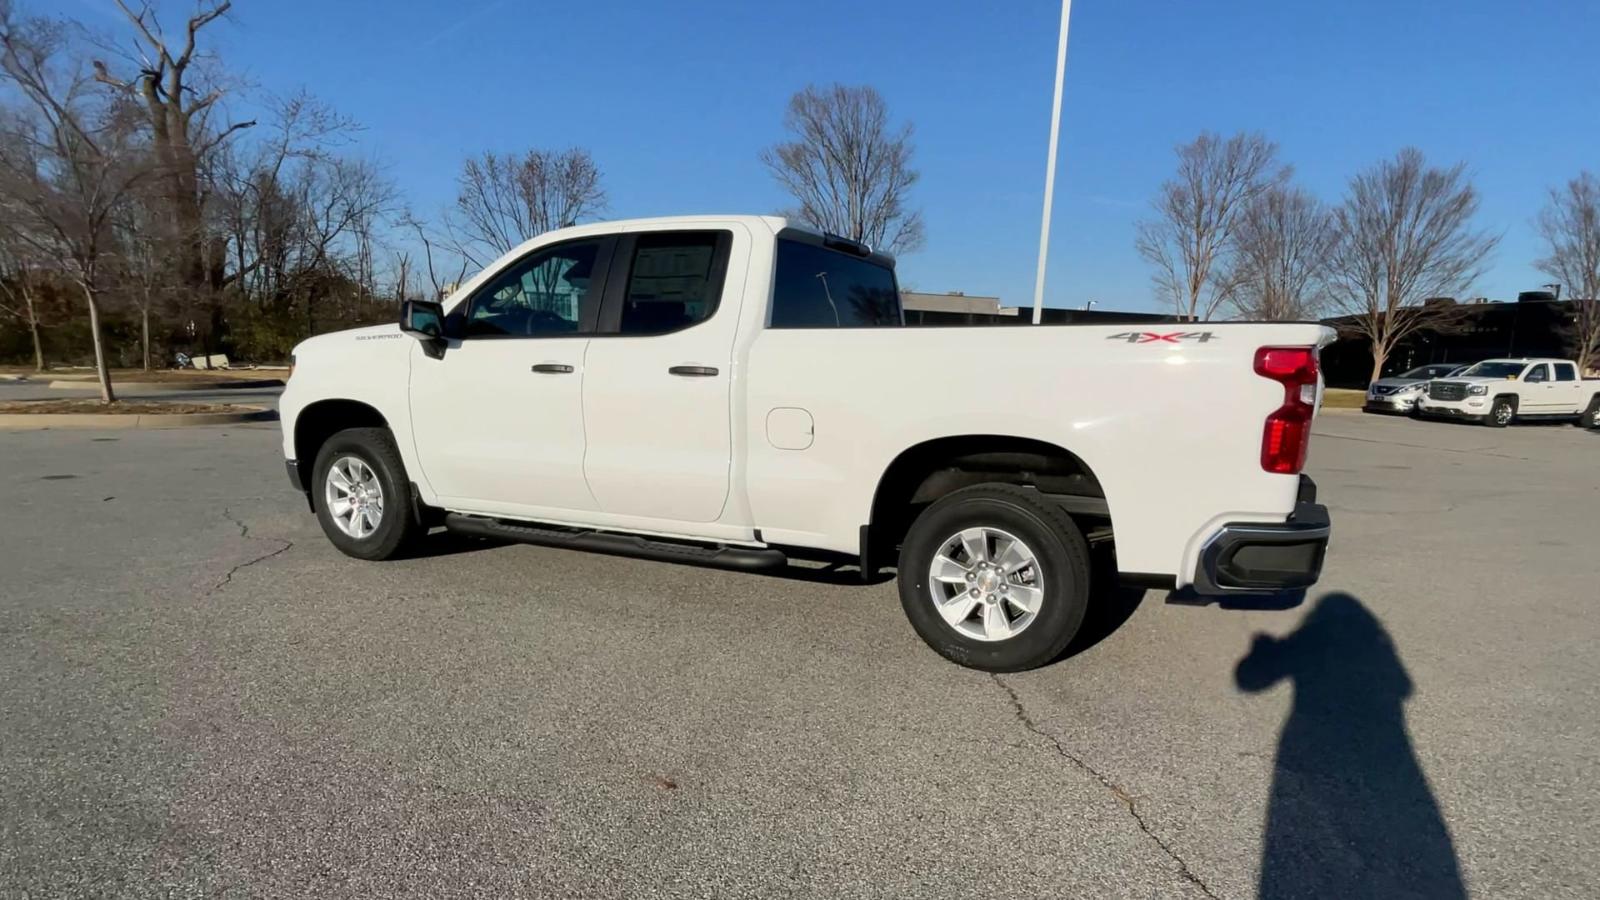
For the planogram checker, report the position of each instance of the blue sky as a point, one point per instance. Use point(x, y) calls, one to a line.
point(676, 99)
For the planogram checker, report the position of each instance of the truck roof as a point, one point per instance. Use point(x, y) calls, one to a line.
point(1526, 359)
point(776, 223)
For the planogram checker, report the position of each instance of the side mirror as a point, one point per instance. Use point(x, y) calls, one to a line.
point(424, 320)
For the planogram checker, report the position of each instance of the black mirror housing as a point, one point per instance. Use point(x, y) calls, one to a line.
point(424, 320)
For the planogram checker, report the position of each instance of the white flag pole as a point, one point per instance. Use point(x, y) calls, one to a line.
point(1050, 168)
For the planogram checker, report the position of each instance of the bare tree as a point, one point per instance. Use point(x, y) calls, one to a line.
point(1190, 240)
point(178, 116)
point(400, 264)
point(66, 167)
point(1281, 244)
point(503, 199)
point(848, 168)
point(438, 278)
point(145, 277)
point(1405, 237)
point(1570, 226)
point(19, 278)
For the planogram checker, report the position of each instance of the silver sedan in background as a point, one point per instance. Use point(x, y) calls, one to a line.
point(1398, 393)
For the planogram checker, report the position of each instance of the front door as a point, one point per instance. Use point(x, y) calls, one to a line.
point(498, 418)
point(1538, 394)
point(657, 382)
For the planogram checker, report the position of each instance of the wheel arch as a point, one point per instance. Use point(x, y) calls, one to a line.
point(924, 472)
point(323, 419)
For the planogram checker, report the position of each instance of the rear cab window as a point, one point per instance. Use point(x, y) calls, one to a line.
point(818, 286)
point(1566, 372)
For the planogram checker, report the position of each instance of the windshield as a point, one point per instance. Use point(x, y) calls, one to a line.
point(1495, 370)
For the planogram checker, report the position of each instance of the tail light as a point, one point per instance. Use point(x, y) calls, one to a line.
point(1288, 430)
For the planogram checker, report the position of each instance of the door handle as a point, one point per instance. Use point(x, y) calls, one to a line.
point(693, 371)
point(552, 369)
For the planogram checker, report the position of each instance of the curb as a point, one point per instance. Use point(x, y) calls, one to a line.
point(94, 385)
point(115, 421)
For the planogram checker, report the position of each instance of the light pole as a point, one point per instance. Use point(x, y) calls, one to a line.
point(1050, 166)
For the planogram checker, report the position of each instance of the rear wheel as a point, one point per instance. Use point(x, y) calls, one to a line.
point(1502, 412)
point(1591, 415)
point(362, 496)
point(995, 577)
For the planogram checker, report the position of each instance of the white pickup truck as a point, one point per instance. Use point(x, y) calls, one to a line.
point(1499, 391)
point(735, 391)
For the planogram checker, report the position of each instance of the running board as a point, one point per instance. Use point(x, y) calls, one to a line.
point(747, 559)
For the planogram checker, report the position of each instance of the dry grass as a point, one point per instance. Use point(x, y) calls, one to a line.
point(1343, 398)
point(119, 408)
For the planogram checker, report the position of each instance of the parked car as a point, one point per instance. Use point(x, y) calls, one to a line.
point(1497, 392)
point(1398, 393)
point(735, 390)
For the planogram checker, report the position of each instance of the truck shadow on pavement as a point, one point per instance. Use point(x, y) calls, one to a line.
point(1351, 813)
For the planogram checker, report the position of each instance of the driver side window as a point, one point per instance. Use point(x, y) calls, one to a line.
point(1536, 375)
point(545, 294)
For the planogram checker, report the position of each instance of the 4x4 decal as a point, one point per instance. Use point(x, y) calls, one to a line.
point(1162, 337)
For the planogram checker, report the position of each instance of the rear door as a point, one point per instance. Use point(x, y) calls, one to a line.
point(657, 397)
point(1567, 395)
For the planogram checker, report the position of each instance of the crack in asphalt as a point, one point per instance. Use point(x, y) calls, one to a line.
point(1116, 790)
point(244, 532)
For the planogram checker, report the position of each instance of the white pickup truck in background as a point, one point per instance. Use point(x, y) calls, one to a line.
point(1498, 391)
point(735, 391)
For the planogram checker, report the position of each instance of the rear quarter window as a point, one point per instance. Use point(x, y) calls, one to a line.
point(815, 287)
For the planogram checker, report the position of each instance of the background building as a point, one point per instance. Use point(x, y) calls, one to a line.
point(956, 308)
point(1535, 325)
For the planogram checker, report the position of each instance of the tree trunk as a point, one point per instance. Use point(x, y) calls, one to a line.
point(101, 370)
point(144, 334)
point(33, 328)
point(1378, 358)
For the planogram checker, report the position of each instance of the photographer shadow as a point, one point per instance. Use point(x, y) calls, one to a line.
point(1351, 813)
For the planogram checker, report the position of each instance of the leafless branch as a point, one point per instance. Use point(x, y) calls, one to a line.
point(1189, 242)
point(1570, 227)
point(1281, 245)
point(503, 200)
point(848, 168)
point(1405, 238)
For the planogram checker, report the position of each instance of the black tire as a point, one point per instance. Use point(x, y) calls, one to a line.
point(1591, 415)
point(1063, 560)
point(1493, 419)
point(397, 527)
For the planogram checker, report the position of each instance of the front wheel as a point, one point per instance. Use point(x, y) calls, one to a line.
point(995, 577)
point(1501, 413)
point(362, 496)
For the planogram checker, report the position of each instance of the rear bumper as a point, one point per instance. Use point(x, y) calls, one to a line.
point(1256, 557)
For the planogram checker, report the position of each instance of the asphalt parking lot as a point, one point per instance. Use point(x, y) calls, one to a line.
point(200, 697)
